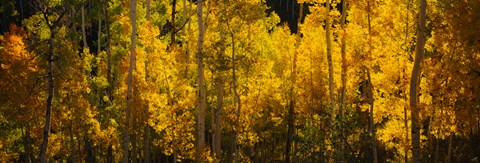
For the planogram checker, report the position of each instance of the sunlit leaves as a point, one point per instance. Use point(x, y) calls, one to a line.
point(164, 78)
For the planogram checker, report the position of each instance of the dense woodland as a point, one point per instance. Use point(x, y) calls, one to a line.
point(240, 81)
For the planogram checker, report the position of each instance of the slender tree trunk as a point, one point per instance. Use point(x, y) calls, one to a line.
point(273, 150)
point(414, 81)
point(406, 132)
point(110, 154)
point(109, 62)
point(84, 35)
point(187, 47)
point(291, 110)
point(109, 70)
point(404, 96)
point(236, 100)
point(175, 142)
point(428, 134)
point(201, 84)
point(372, 123)
point(370, 89)
point(133, 156)
point(448, 158)
point(146, 139)
point(344, 74)
point(343, 53)
point(88, 149)
point(211, 133)
point(99, 36)
point(50, 87)
point(435, 158)
point(218, 117)
point(217, 147)
point(26, 145)
point(133, 8)
point(331, 82)
point(172, 37)
point(185, 16)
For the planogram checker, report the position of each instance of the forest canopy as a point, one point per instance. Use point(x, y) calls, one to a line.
point(240, 80)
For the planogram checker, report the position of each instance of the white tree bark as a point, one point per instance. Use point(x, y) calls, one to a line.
point(414, 82)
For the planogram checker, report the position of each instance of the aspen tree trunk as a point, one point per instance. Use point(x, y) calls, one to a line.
point(172, 36)
point(414, 81)
point(84, 35)
point(88, 149)
point(344, 74)
point(217, 137)
point(99, 34)
point(405, 96)
point(146, 139)
point(343, 53)
point(187, 47)
point(237, 100)
point(331, 82)
point(109, 61)
point(133, 8)
point(372, 123)
point(133, 156)
point(48, 115)
point(435, 158)
point(72, 13)
point(370, 90)
point(109, 70)
point(185, 17)
point(50, 84)
point(201, 85)
point(110, 154)
point(291, 110)
point(448, 158)
point(26, 145)
point(406, 131)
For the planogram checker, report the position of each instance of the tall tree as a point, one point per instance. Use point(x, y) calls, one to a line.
point(405, 120)
point(371, 99)
point(146, 138)
point(217, 147)
point(133, 10)
point(331, 82)
point(344, 72)
point(415, 111)
point(236, 100)
point(52, 27)
point(291, 108)
point(110, 86)
point(84, 33)
point(201, 84)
